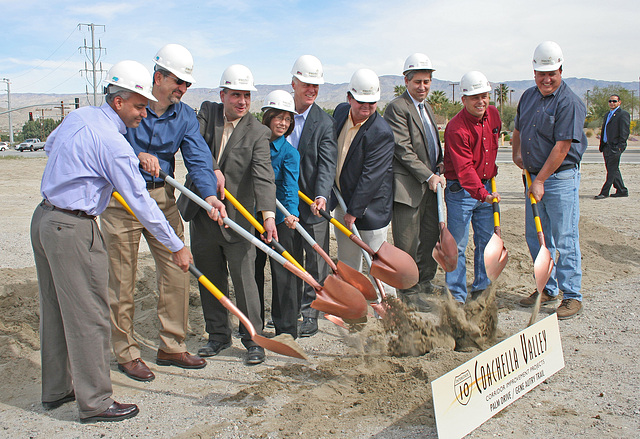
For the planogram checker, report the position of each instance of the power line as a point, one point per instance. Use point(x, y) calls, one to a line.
point(47, 58)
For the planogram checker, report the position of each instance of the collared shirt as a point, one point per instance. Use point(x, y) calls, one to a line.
point(433, 130)
point(285, 160)
point(299, 119)
point(609, 116)
point(88, 158)
point(545, 120)
point(227, 131)
point(471, 147)
point(347, 134)
point(176, 129)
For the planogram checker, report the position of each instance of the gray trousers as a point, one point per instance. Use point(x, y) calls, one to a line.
point(72, 267)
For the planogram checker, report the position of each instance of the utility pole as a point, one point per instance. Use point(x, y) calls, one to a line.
point(453, 91)
point(632, 93)
point(588, 102)
point(9, 108)
point(510, 93)
point(94, 59)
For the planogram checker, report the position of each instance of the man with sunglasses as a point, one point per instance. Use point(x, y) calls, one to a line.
point(171, 125)
point(613, 142)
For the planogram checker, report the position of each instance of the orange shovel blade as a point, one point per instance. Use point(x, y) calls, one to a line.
point(496, 257)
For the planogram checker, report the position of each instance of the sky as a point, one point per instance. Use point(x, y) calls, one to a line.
point(40, 45)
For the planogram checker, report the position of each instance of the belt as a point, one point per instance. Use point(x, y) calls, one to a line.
point(155, 184)
point(80, 213)
point(561, 168)
point(482, 180)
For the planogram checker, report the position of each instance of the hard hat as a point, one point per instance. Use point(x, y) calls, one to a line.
point(365, 86)
point(474, 83)
point(417, 61)
point(237, 77)
point(133, 76)
point(547, 57)
point(176, 59)
point(308, 69)
point(280, 100)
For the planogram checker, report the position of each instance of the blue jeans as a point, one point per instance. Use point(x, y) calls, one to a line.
point(559, 215)
point(462, 209)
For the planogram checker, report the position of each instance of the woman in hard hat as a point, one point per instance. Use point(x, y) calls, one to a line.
point(285, 159)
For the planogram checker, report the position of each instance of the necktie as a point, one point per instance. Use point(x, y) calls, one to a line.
point(604, 134)
point(431, 142)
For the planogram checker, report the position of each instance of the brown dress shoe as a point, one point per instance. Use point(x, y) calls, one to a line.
point(569, 308)
point(115, 412)
point(181, 359)
point(137, 370)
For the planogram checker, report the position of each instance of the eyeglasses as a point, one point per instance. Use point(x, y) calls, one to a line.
point(612, 101)
point(180, 81)
point(281, 117)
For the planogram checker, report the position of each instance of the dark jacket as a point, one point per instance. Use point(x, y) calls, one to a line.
point(617, 131)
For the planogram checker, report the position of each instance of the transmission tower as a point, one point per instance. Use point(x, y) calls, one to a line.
point(93, 55)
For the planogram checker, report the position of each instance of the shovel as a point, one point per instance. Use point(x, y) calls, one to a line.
point(390, 264)
point(496, 255)
point(543, 264)
point(335, 297)
point(445, 251)
point(282, 344)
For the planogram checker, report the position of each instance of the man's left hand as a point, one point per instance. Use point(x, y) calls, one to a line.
point(219, 211)
point(537, 190)
point(221, 181)
point(349, 220)
point(270, 228)
point(318, 205)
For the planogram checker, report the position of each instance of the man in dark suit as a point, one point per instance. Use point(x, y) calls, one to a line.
point(613, 142)
point(240, 145)
point(417, 157)
point(315, 138)
point(364, 174)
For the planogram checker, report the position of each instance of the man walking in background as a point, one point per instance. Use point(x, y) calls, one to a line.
point(613, 142)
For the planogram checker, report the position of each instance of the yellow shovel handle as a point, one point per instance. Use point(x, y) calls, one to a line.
point(326, 215)
point(534, 205)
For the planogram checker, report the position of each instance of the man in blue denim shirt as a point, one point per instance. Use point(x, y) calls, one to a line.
point(548, 141)
point(170, 126)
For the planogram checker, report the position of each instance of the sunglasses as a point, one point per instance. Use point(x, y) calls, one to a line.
point(611, 101)
point(180, 81)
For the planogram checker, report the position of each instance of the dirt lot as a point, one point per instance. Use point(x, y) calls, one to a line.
point(350, 388)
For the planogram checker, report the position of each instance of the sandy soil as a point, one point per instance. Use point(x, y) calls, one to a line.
point(351, 387)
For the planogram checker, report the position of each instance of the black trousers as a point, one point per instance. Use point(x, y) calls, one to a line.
point(614, 177)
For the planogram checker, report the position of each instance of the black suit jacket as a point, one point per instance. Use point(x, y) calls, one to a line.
point(366, 179)
point(318, 156)
point(617, 131)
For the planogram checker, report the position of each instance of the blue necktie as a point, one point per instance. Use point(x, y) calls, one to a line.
point(604, 134)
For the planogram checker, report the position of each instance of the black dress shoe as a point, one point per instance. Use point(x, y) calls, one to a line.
point(309, 327)
point(255, 355)
point(620, 194)
point(602, 196)
point(212, 348)
point(50, 405)
point(115, 412)
point(417, 301)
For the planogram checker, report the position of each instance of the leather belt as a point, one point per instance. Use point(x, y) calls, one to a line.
point(561, 168)
point(483, 181)
point(79, 213)
point(155, 184)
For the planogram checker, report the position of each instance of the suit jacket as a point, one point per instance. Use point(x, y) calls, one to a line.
point(411, 164)
point(245, 163)
point(366, 180)
point(318, 160)
point(617, 131)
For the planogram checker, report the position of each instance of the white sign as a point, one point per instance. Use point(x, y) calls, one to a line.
point(472, 393)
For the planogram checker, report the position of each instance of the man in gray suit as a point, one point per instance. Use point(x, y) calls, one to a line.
point(417, 157)
point(314, 136)
point(240, 147)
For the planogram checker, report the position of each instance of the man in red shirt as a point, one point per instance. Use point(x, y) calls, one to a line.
point(471, 146)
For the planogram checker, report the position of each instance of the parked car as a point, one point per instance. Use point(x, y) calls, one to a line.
point(4, 146)
point(30, 145)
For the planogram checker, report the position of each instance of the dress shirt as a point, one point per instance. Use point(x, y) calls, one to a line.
point(609, 116)
point(471, 147)
point(545, 120)
point(176, 129)
point(347, 134)
point(285, 160)
point(88, 158)
point(299, 119)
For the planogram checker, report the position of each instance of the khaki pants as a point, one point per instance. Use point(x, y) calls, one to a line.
point(122, 236)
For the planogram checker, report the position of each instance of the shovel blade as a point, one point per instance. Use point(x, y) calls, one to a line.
point(445, 251)
point(340, 299)
point(356, 279)
point(394, 267)
point(496, 257)
point(542, 267)
point(281, 345)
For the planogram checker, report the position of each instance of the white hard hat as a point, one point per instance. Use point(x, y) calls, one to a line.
point(308, 69)
point(365, 86)
point(474, 83)
point(280, 100)
point(417, 61)
point(133, 76)
point(547, 57)
point(237, 77)
point(176, 59)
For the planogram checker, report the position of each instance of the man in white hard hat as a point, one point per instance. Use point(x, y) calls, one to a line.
point(549, 141)
point(88, 159)
point(170, 126)
point(314, 137)
point(417, 159)
point(364, 174)
point(471, 147)
point(240, 145)
point(613, 142)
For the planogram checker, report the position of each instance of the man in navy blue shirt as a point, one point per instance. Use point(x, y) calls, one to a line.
point(170, 126)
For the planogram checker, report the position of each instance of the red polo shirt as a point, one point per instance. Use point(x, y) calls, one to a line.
point(470, 150)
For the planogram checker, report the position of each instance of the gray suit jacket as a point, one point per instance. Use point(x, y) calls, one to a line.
point(318, 160)
point(411, 164)
point(245, 163)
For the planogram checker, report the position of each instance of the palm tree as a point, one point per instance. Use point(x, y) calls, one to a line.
point(398, 90)
point(436, 99)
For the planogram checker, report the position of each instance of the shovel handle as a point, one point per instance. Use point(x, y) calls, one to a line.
point(441, 203)
point(534, 208)
point(496, 208)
